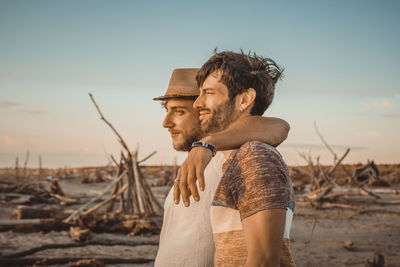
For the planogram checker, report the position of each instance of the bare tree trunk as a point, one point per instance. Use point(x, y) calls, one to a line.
point(16, 168)
point(116, 188)
point(122, 200)
point(26, 162)
point(40, 166)
point(150, 195)
point(136, 176)
point(132, 205)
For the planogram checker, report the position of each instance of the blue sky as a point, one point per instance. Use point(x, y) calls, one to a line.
point(341, 60)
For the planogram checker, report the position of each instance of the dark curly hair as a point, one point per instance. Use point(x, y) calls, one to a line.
point(240, 72)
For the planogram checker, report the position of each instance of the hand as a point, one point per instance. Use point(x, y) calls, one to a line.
point(191, 170)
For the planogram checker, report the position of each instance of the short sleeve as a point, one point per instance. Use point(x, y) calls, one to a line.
point(265, 177)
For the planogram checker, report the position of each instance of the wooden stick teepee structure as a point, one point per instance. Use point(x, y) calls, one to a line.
point(139, 199)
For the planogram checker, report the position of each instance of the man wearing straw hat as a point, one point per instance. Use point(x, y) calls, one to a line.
point(186, 235)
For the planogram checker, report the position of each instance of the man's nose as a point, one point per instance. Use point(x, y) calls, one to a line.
point(167, 122)
point(199, 103)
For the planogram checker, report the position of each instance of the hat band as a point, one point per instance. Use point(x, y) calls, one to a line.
point(181, 93)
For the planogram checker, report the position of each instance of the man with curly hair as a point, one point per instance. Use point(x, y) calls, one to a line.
point(253, 205)
point(186, 236)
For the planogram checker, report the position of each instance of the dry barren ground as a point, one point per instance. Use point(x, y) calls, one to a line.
point(322, 246)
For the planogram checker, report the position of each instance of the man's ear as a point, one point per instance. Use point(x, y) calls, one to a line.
point(247, 99)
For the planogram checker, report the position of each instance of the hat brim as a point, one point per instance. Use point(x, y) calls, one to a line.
point(165, 97)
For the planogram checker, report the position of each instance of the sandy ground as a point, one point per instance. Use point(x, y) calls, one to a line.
point(370, 233)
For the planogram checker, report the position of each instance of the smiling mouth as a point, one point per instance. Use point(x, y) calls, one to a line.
point(174, 133)
point(203, 113)
point(203, 117)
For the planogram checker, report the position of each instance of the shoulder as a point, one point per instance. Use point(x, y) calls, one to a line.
point(257, 160)
point(257, 147)
point(256, 150)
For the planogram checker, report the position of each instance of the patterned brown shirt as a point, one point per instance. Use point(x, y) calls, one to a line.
point(255, 179)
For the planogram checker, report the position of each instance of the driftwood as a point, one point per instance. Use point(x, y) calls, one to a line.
point(56, 188)
point(40, 166)
point(332, 170)
point(149, 194)
point(368, 201)
point(349, 245)
point(139, 197)
point(147, 157)
point(105, 201)
point(119, 223)
point(116, 187)
point(32, 225)
point(79, 234)
point(63, 198)
point(132, 203)
point(312, 231)
point(96, 240)
point(368, 191)
point(81, 209)
point(25, 212)
point(86, 263)
point(378, 261)
point(324, 142)
point(16, 198)
point(358, 209)
point(16, 168)
point(139, 193)
point(66, 260)
point(26, 163)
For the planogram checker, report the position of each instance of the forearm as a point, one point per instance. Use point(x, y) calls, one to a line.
point(272, 131)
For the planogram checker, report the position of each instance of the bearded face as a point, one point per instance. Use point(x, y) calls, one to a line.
point(182, 121)
point(216, 109)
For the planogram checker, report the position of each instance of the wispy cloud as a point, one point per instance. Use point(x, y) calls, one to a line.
point(381, 104)
point(6, 104)
point(390, 115)
point(9, 104)
point(371, 134)
point(321, 146)
point(33, 111)
point(8, 140)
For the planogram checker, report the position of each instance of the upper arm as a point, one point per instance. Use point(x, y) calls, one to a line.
point(265, 179)
point(263, 204)
point(263, 233)
point(272, 131)
point(269, 130)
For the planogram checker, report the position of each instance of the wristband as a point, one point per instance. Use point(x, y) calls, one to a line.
point(206, 145)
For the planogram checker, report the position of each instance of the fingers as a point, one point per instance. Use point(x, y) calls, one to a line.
point(191, 180)
point(177, 192)
point(181, 186)
point(184, 192)
point(200, 177)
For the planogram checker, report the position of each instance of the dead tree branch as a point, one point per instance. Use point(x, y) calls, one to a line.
point(26, 162)
point(146, 158)
point(120, 139)
point(325, 143)
point(95, 199)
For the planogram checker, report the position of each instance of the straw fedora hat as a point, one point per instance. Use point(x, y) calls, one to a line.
point(182, 85)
